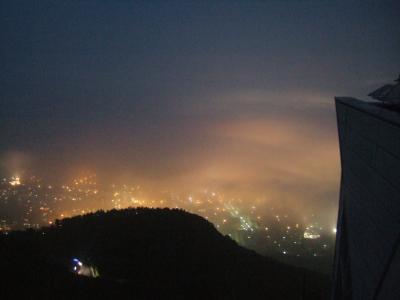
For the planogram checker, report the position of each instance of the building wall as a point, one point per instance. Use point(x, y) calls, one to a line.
point(368, 240)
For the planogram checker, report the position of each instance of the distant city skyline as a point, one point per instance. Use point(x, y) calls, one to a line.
point(276, 231)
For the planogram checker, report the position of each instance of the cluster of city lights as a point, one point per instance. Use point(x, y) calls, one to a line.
point(273, 231)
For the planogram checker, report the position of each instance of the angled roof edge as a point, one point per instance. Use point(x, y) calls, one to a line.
point(375, 109)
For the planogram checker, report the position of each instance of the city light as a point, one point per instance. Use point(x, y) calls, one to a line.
point(266, 230)
point(15, 180)
point(312, 232)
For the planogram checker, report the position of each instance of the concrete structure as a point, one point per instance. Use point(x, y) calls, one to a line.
point(367, 258)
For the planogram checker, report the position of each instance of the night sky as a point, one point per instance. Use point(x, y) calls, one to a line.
point(233, 95)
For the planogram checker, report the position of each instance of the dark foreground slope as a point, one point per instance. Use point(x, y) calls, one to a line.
point(144, 254)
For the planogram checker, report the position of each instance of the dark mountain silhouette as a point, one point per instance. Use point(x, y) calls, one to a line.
point(145, 253)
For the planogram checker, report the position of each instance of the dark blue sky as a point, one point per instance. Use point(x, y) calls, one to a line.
point(164, 89)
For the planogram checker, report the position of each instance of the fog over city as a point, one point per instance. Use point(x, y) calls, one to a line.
point(185, 99)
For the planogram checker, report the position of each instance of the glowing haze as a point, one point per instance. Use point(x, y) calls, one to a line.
point(233, 96)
